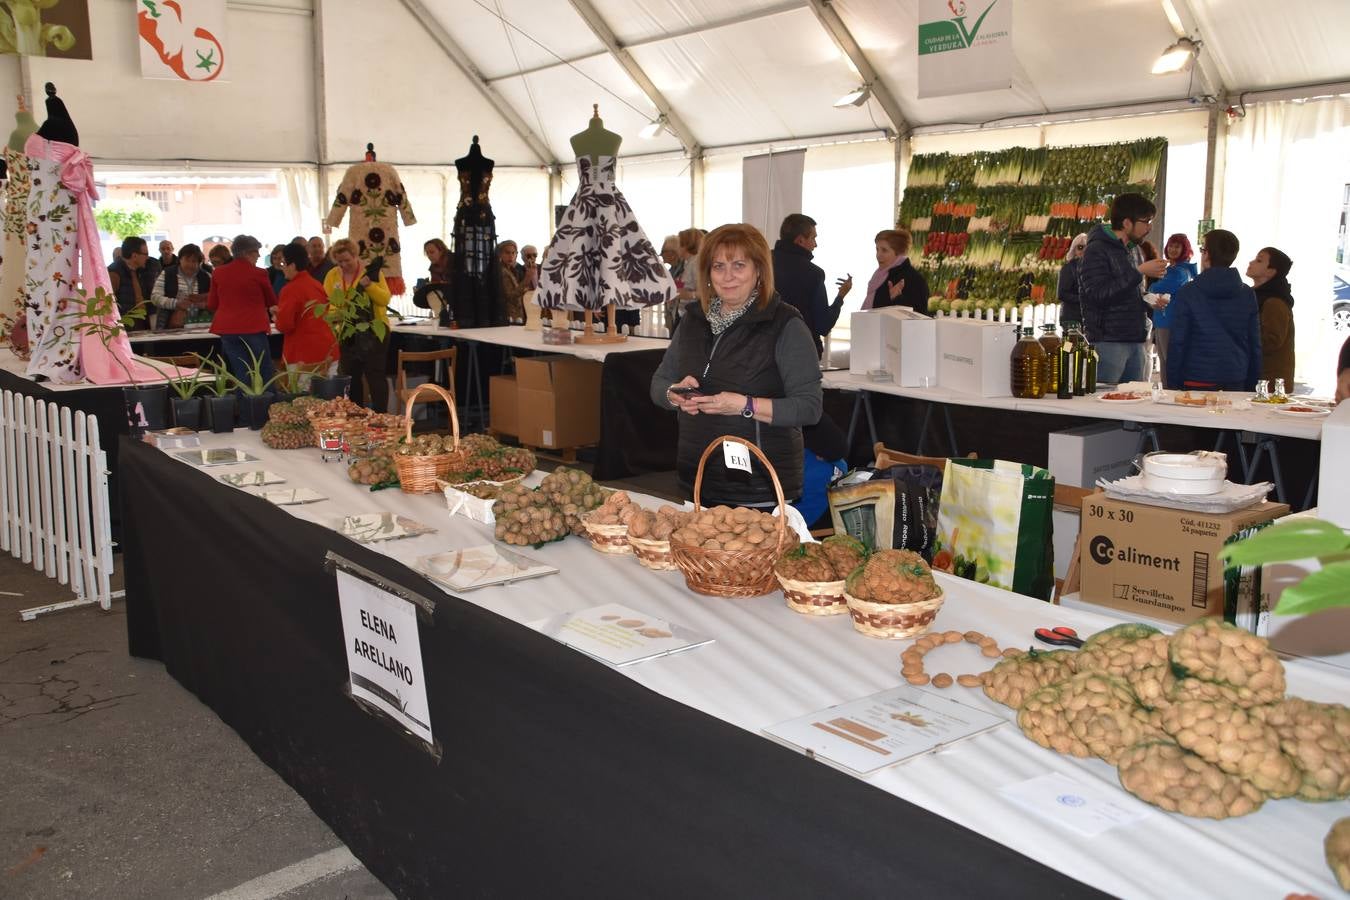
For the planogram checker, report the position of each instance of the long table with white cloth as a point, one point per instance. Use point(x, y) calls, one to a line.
point(1267, 424)
point(766, 665)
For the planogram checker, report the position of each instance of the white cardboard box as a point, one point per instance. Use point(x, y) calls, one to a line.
point(1065, 525)
point(975, 356)
point(1333, 488)
point(1079, 456)
point(899, 340)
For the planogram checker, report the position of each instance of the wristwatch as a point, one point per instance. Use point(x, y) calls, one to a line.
point(749, 409)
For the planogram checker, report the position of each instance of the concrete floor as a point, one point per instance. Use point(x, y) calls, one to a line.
point(116, 782)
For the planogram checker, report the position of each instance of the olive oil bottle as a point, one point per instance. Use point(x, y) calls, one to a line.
point(1029, 367)
point(1068, 361)
point(1050, 341)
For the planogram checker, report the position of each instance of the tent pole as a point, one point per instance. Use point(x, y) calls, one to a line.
point(904, 155)
point(1213, 149)
point(320, 112)
point(696, 166)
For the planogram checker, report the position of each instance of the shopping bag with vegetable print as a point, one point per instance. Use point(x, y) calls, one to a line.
point(994, 525)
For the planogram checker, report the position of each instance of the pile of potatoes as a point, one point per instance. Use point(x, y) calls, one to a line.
point(573, 493)
point(833, 559)
point(658, 525)
point(725, 528)
point(288, 435)
point(426, 445)
point(287, 414)
point(893, 576)
point(1197, 723)
point(376, 468)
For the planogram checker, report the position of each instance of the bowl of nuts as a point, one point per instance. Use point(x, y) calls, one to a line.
point(893, 595)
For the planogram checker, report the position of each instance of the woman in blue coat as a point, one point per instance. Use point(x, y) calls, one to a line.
point(1180, 269)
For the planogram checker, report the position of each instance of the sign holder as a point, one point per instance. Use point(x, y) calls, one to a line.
point(368, 693)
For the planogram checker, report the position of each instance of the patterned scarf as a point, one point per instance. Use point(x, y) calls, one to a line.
point(720, 322)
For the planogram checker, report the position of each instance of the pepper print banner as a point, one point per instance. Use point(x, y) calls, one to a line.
point(182, 39)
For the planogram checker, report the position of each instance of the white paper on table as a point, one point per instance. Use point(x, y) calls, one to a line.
point(617, 635)
point(1087, 809)
point(883, 729)
point(474, 567)
point(293, 497)
point(256, 478)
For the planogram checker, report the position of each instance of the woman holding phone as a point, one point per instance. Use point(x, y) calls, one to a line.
point(742, 363)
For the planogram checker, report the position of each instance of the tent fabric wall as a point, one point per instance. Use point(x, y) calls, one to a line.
point(659, 192)
point(1288, 165)
point(263, 112)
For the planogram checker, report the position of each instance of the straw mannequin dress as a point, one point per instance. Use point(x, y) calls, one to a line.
point(374, 193)
point(599, 254)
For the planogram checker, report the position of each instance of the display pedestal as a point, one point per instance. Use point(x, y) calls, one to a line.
point(531, 311)
point(588, 335)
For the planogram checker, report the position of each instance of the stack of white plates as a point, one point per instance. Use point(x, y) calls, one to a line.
point(1185, 473)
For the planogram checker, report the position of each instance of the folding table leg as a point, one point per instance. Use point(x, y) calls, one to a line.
point(951, 430)
point(853, 418)
point(871, 423)
point(1310, 499)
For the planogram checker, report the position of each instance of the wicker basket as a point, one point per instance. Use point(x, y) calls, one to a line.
point(418, 474)
point(731, 573)
point(608, 538)
point(655, 555)
point(814, 598)
point(893, 620)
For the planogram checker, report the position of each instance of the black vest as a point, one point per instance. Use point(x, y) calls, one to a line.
point(171, 282)
point(742, 361)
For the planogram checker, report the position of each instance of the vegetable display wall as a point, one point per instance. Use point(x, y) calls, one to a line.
point(991, 230)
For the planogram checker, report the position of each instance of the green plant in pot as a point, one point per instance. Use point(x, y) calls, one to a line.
point(186, 404)
point(220, 400)
point(255, 390)
point(1296, 539)
point(350, 313)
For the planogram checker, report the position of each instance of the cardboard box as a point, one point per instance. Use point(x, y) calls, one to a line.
point(975, 356)
point(502, 404)
point(1080, 456)
point(1065, 525)
point(557, 401)
point(1333, 488)
point(895, 339)
point(1159, 563)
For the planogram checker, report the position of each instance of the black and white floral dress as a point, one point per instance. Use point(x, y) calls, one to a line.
point(599, 254)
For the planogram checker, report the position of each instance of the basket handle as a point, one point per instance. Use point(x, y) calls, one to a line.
point(444, 395)
point(777, 486)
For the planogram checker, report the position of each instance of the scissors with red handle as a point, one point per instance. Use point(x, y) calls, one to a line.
point(1060, 636)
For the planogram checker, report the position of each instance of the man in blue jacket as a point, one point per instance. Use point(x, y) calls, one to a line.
point(1111, 288)
point(800, 282)
point(1216, 327)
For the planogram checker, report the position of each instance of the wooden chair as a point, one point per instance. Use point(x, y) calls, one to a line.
point(434, 357)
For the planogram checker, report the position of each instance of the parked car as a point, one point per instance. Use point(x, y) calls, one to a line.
point(1340, 298)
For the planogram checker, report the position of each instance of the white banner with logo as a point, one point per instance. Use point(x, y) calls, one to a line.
point(964, 46)
point(182, 39)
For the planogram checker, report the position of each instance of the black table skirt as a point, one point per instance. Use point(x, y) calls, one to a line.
point(560, 777)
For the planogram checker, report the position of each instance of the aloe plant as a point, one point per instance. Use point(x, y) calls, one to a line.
point(218, 379)
point(185, 386)
point(253, 384)
point(1300, 538)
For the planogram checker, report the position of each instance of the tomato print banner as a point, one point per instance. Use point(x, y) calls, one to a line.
point(182, 39)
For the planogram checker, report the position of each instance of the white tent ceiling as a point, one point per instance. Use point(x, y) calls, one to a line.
point(748, 71)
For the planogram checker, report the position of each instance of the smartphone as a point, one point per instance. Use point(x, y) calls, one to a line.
point(688, 392)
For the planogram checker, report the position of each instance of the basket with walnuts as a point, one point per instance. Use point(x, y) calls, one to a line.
point(812, 575)
point(893, 595)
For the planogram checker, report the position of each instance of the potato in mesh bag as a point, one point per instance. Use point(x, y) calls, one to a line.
point(1016, 677)
point(1308, 736)
point(1227, 662)
point(1164, 774)
point(1236, 741)
point(1042, 719)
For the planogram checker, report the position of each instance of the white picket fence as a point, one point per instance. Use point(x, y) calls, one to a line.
point(54, 498)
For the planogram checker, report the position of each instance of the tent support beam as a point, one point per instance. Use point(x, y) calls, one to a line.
point(320, 112)
point(606, 35)
point(1184, 24)
point(696, 191)
point(750, 16)
point(830, 21)
point(456, 55)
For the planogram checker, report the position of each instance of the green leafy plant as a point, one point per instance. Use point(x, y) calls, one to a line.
point(127, 219)
point(185, 386)
point(1300, 538)
point(96, 315)
point(349, 312)
point(253, 384)
point(218, 377)
point(292, 375)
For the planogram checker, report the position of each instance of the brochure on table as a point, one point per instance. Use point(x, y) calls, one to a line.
point(883, 729)
point(618, 635)
point(292, 497)
point(368, 528)
point(475, 567)
point(256, 478)
point(224, 456)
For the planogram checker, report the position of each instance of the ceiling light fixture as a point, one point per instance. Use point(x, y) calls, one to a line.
point(856, 97)
point(1177, 57)
point(653, 128)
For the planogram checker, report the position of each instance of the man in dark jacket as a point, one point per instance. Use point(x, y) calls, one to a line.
point(800, 282)
point(1269, 273)
point(1111, 289)
point(1216, 330)
point(132, 277)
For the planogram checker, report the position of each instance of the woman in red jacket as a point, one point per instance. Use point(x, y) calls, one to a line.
point(240, 297)
point(309, 341)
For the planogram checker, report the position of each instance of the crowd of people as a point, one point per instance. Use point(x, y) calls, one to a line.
point(1208, 329)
